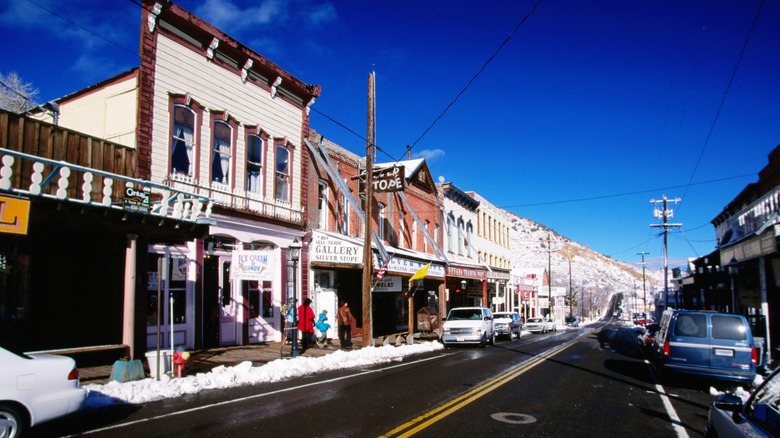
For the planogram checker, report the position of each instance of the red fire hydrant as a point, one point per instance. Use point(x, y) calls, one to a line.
point(179, 360)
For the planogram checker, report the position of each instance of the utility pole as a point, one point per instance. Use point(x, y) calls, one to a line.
point(367, 263)
point(571, 293)
point(549, 276)
point(644, 288)
point(665, 215)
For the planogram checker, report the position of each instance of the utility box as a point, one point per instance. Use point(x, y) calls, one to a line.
point(427, 319)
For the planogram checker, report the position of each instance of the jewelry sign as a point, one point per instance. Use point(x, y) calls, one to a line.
point(14, 214)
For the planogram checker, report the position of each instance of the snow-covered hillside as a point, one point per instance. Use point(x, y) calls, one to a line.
point(591, 272)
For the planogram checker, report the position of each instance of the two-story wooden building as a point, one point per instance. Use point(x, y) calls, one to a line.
point(206, 114)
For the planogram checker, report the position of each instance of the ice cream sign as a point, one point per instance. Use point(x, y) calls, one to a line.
point(251, 265)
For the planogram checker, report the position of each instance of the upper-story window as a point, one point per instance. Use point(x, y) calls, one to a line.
point(344, 215)
point(322, 205)
point(282, 180)
point(183, 140)
point(254, 163)
point(381, 221)
point(450, 232)
point(401, 229)
point(220, 152)
point(469, 231)
point(461, 235)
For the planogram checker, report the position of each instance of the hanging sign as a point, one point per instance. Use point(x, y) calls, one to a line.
point(252, 265)
point(14, 215)
point(136, 200)
point(390, 179)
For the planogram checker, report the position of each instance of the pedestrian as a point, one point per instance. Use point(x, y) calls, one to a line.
point(323, 327)
point(288, 319)
point(305, 324)
point(345, 325)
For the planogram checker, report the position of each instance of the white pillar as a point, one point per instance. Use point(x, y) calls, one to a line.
point(128, 324)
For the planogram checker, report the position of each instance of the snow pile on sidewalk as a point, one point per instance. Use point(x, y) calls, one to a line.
point(147, 390)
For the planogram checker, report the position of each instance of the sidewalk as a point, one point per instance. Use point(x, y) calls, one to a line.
point(202, 361)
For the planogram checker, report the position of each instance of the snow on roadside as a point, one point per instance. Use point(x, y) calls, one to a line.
point(147, 390)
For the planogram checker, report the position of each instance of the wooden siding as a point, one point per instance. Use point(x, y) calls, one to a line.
point(42, 139)
point(180, 70)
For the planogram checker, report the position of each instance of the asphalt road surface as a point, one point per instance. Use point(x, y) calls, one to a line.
point(577, 382)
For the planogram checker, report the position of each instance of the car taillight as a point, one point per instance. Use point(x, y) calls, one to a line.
point(666, 348)
point(74, 374)
point(754, 356)
point(649, 340)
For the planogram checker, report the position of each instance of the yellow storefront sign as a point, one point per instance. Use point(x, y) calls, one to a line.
point(14, 215)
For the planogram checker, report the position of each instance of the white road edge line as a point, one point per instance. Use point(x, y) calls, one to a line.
point(676, 423)
point(265, 394)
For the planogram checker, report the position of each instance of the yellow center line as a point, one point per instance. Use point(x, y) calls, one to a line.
point(423, 421)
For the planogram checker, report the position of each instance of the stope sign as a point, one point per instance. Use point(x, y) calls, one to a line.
point(389, 180)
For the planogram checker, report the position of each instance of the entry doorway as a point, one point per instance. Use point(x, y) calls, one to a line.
point(225, 305)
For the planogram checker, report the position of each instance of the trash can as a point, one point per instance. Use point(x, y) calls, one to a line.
point(165, 362)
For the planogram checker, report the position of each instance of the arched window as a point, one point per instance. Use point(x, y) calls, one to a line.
point(450, 232)
point(381, 221)
point(220, 152)
point(322, 204)
point(469, 231)
point(183, 140)
point(461, 234)
point(254, 163)
point(282, 180)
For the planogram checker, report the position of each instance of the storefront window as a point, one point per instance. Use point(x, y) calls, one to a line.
point(172, 285)
point(14, 278)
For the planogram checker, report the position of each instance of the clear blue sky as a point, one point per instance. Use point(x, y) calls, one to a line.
point(588, 112)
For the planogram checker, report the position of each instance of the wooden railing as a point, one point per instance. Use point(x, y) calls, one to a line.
point(38, 159)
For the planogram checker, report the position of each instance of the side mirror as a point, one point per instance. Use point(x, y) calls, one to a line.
point(729, 402)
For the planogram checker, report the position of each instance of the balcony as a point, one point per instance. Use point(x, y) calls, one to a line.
point(40, 160)
point(748, 220)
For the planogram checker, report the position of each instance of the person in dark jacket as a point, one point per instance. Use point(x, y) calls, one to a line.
point(345, 325)
point(305, 323)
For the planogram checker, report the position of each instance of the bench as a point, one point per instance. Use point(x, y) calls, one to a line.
point(91, 355)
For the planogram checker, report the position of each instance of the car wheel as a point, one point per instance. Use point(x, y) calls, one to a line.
point(483, 341)
point(492, 339)
point(13, 422)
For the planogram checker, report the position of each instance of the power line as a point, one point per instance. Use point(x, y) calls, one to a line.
point(83, 28)
point(475, 76)
point(593, 198)
point(722, 101)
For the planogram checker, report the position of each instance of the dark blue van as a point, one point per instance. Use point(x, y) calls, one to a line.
point(707, 344)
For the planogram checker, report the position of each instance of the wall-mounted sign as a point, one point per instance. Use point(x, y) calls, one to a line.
point(252, 265)
point(328, 249)
point(14, 215)
point(389, 283)
point(136, 200)
point(407, 266)
point(476, 274)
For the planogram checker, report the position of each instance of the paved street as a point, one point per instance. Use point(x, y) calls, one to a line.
point(584, 382)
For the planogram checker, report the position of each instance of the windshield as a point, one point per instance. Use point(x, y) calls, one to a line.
point(535, 320)
point(502, 316)
point(464, 314)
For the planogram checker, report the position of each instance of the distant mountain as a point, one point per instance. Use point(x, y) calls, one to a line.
point(591, 272)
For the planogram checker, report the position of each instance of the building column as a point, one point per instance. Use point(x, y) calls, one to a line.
point(128, 323)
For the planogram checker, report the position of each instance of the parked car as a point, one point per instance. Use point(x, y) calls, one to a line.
point(572, 321)
point(538, 325)
point(469, 325)
point(644, 341)
point(552, 326)
point(36, 388)
point(759, 416)
point(508, 324)
point(705, 344)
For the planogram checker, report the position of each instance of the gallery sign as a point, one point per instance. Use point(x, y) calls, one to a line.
point(328, 249)
point(14, 215)
point(252, 265)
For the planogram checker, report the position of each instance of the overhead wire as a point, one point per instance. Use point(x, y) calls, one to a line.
point(501, 46)
point(134, 53)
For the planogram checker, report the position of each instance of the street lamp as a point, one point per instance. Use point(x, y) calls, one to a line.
point(295, 253)
point(733, 272)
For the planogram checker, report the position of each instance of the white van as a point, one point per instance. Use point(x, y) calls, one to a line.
point(469, 325)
